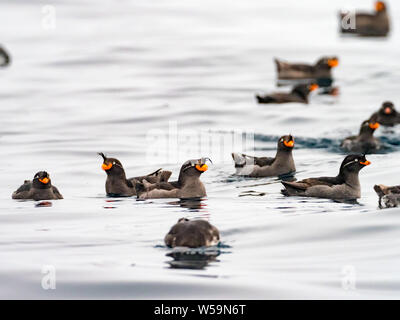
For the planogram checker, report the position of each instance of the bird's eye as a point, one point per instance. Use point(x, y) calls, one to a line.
point(114, 162)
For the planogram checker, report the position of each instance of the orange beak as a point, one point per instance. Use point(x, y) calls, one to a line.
point(374, 125)
point(313, 87)
point(333, 63)
point(379, 6)
point(44, 180)
point(106, 167)
point(366, 163)
point(388, 110)
point(202, 167)
point(288, 144)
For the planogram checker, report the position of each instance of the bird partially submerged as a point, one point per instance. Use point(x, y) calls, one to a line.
point(192, 234)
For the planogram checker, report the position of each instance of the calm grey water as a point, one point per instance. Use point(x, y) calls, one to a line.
point(121, 77)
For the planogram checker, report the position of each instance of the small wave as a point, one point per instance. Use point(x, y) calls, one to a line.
point(331, 145)
point(390, 141)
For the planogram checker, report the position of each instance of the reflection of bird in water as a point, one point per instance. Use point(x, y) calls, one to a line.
point(330, 91)
point(185, 258)
point(194, 204)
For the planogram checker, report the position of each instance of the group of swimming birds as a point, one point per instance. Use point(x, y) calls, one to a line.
point(345, 186)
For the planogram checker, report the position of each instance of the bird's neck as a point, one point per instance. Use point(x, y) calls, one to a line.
point(117, 175)
point(351, 178)
point(283, 154)
point(366, 133)
point(188, 180)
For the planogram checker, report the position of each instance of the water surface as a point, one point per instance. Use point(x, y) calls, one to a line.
point(113, 75)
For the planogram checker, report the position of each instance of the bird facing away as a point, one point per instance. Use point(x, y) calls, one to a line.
point(192, 234)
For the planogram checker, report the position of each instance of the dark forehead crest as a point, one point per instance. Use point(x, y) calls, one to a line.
point(41, 173)
point(102, 155)
point(387, 104)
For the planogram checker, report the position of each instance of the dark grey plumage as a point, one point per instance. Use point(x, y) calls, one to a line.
point(364, 142)
point(374, 24)
point(282, 163)
point(298, 94)
point(345, 186)
point(40, 188)
point(387, 114)
point(188, 185)
point(320, 70)
point(117, 185)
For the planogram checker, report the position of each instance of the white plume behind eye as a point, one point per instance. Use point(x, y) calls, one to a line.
point(354, 161)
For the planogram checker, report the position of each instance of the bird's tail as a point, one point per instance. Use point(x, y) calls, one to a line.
point(239, 159)
point(291, 190)
point(278, 65)
point(264, 99)
point(242, 159)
